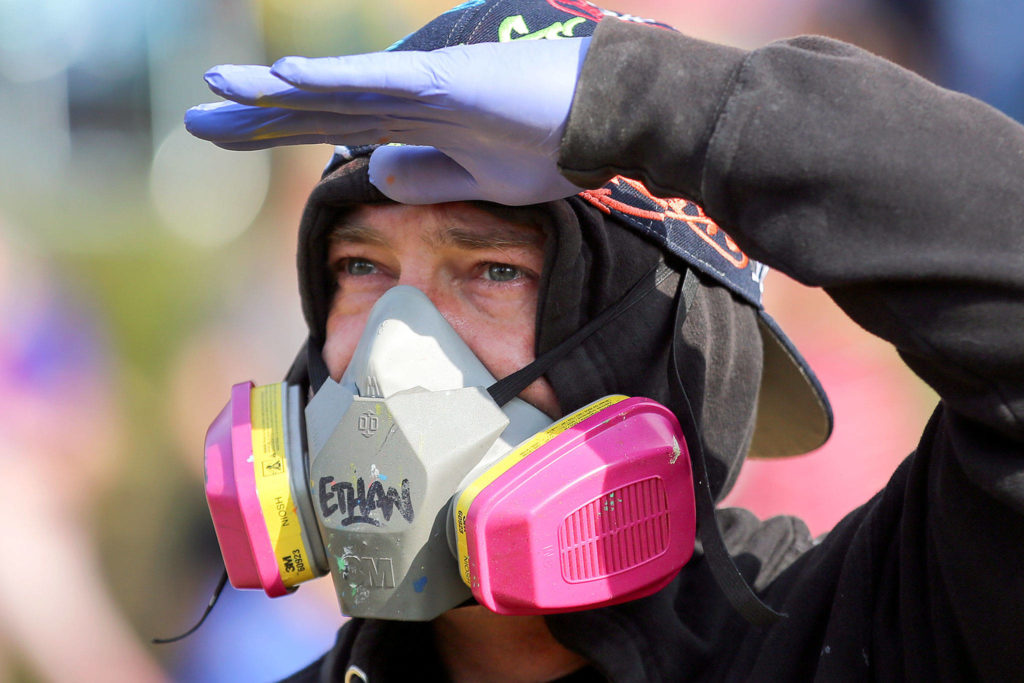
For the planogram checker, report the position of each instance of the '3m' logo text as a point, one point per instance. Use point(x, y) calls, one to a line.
point(369, 572)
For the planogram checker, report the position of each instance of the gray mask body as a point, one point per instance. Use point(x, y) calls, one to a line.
point(407, 427)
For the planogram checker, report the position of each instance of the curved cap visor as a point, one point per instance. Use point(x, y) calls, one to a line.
point(793, 412)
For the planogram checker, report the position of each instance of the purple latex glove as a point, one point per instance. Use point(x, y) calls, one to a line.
point(478, 121)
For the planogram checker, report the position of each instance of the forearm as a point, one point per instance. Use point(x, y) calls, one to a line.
point(841, 170)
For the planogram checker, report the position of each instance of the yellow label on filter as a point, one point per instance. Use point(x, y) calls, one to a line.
point(273, 484)
point(506, 463)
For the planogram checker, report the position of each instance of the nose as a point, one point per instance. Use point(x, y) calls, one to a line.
point(441, 293)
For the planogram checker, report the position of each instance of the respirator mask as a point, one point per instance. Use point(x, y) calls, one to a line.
point(417, 490)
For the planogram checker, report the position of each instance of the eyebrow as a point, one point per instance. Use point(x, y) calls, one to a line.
point(354, 232)
point(489, 237)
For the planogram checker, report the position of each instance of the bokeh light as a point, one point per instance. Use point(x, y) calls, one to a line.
point(203, 194)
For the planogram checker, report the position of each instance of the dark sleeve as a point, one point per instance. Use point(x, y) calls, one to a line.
point(905, 202)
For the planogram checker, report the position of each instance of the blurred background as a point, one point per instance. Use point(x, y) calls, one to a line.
point(142, 273)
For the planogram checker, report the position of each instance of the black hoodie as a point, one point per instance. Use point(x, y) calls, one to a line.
point(904, 201)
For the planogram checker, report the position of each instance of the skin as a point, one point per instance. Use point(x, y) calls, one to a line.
point(482, 273)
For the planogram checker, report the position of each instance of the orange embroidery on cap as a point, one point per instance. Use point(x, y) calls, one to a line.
point(673, 208)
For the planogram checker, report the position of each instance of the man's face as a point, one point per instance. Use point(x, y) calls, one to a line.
point(482, 273)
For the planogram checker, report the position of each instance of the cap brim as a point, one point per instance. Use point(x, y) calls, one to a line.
point(793, 412)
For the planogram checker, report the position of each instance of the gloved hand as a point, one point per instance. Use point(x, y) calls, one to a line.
point(481, 121)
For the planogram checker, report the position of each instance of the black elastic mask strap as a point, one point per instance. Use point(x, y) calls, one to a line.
point(315, 364)
point(507, 388)
point(737, 591)
point(299, 373)
point(209, 607)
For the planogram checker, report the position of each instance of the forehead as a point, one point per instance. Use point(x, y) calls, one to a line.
point(461, 224)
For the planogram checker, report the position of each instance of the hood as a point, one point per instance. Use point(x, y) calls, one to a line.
point(590, 262)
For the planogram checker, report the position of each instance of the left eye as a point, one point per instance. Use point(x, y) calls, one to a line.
point(359, 266)
point(501, 272)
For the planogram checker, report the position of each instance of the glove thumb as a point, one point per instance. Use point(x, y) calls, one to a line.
point(411, 174)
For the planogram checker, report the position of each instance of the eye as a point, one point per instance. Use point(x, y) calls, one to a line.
point(358, 266)
point(501, 272)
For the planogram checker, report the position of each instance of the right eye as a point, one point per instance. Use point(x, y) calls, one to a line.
point(358, 266)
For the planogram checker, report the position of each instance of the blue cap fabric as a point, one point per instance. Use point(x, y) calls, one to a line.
point(499, 21)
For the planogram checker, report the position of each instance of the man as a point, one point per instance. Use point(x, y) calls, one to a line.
point(836, 167)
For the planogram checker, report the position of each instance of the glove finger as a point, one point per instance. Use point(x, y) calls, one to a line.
point(420, 175)
point(245, 83)
point(253, 145)
point(436, 74)
point(399, 74)
point(256, 86)
point(229, 123)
